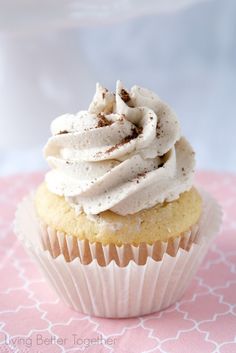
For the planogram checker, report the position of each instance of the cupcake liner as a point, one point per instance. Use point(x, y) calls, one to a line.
point(121, 288)
point(70, 247)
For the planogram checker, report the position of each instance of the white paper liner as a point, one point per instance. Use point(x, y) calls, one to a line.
point(71, 247)
point(111, 290)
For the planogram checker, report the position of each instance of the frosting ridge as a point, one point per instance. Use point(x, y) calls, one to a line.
point(124, 154)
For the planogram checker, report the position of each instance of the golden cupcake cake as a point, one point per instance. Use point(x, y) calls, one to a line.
point(118, 207)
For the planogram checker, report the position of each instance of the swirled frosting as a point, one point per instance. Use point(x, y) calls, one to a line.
point(124, 154)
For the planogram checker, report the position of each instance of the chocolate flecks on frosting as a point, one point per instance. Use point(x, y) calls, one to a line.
point(126, 98)
point(103, 121)
point(113, 148)
point(125, 95)
point(183, 171)
point(141, 174)
point(104, 93)
point(63, 132)
point(159, 130)
point(136, 131)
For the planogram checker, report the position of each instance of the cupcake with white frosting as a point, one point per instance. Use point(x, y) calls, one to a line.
point(120, 189)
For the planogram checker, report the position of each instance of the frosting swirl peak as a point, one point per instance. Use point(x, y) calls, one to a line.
point(124, 154)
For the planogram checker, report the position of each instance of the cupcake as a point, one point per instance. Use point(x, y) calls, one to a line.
point(118, 208)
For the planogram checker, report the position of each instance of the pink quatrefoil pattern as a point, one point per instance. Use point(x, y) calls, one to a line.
point(34, 320)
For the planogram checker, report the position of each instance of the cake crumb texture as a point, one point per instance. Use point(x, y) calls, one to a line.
point(162, 222)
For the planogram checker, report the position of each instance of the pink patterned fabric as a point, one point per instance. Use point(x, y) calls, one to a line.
point(33, 319)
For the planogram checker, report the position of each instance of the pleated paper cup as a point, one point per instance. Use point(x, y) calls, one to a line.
point(70, 247)
point(117, 282)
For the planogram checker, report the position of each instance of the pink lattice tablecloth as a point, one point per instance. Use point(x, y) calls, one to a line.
point(33, 319)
